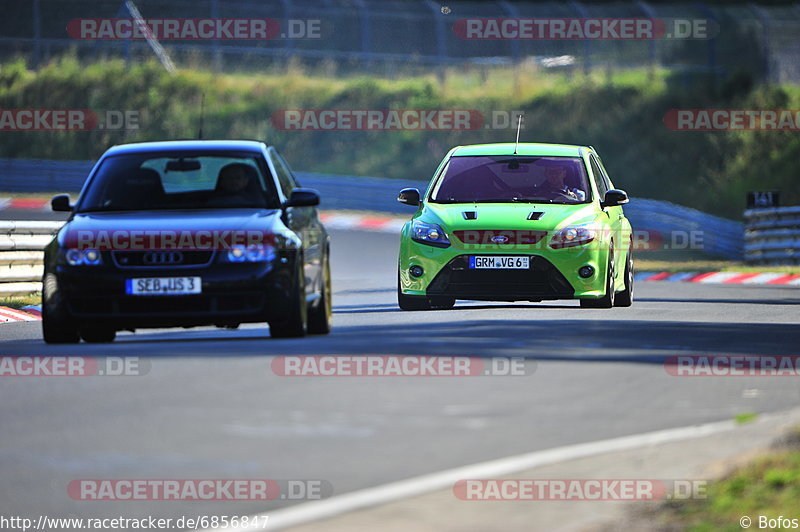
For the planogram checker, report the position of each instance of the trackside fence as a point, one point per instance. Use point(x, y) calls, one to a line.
point(772, 236)
point(21, 254)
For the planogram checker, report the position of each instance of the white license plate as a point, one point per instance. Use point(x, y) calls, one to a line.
point(163, 286)
point(499, 263)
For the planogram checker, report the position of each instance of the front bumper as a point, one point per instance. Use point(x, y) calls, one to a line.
point(231, 294)
point(553, 273)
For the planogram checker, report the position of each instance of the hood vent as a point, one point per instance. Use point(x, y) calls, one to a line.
point(470, 215)
point(535, 215)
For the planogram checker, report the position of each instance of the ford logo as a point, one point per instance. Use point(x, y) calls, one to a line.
point(499, 239)
point(162, 258)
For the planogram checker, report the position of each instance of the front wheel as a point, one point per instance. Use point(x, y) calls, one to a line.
point(294, 325)
point(625, 298)
point(319, 317)
point(607, 301)
point(56, 328)
point(98, 336)
point(407, 302)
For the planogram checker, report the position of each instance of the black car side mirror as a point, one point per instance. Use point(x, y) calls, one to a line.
point(409, 196)
point(614, 197)
point(303, 197)
point(60, 203)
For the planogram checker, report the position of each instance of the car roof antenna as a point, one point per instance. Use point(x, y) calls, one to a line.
point(202, 112)
point(519, 126)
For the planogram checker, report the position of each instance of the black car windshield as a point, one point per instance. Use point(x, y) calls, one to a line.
point(159, 181)
point(512, 179)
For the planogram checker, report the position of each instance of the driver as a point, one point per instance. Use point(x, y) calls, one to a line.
point(233, 185)
point(554, 184)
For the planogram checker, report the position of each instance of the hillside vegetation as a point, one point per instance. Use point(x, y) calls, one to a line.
point(621, 115)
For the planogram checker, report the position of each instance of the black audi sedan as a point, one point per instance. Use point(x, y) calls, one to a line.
point(185, 234)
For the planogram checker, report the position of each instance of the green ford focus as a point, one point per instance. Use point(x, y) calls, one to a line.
point(508, 222)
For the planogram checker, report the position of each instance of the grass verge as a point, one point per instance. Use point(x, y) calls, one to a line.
point(19, 302)
point(768, 486)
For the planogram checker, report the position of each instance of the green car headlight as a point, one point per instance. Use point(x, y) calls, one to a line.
point(571, 236)
point(430, 234)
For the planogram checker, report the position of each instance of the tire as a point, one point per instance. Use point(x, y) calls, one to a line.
point(294, 326)
point(56, 329)
point(607, 301)
point(319, 317)
point(625, 298)
point(55, 332)
point(98, 336)
point(442, 303)
point(407, 302)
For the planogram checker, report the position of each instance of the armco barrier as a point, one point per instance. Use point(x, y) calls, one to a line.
point(21, 245)
point(720, 236)
point(772, 236)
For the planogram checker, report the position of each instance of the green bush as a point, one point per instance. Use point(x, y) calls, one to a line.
point(621, 115)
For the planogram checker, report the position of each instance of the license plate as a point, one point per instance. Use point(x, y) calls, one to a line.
point(499, 263)
point(163, 286)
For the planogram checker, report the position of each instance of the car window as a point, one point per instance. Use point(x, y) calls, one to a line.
point(285, 177)
point(512, 178)
point(597, 174)
point(180, 181)
point(606, 179)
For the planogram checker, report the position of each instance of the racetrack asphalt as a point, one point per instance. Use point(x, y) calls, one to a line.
point(210, 405)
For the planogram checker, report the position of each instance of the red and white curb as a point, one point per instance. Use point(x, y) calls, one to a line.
point(758, 278)
point(29, 204)
point(26, 314)
point(362, 222)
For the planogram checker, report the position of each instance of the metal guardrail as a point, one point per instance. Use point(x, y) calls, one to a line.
point(772, 236)
point(21, 255)
point(720, 236)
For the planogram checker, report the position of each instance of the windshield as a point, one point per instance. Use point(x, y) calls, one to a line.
point(157, 181)
point(512, 178)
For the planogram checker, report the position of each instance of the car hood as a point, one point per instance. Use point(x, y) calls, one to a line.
point(217, 220)
point(508, 216)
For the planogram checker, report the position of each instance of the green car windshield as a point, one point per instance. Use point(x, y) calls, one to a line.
point(512, 179)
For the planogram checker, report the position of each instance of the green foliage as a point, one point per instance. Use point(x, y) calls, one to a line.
point(621, 115)
point(768, 486)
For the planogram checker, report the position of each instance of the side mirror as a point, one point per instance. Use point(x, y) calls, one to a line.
point(409, 196)
point(60, 203)
point(614, 197)
point(303, 197)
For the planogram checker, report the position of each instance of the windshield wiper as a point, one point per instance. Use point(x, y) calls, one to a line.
point(513, 200)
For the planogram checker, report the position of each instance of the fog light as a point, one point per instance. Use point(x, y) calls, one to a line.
point(416, 271)
point(586, 272)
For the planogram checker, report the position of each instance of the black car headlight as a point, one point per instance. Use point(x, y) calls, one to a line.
point(254, 253)
point(83, 257)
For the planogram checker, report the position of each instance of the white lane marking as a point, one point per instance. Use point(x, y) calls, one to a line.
point(364, 498)
point(4, 203)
